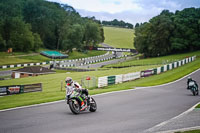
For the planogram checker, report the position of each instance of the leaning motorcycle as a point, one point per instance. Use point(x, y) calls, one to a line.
point(192, 86)
point(75, 100)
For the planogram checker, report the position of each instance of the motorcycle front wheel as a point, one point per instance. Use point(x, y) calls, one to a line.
point(193, 91)
point(74, 106)
point(93, 105)
point(197, 92)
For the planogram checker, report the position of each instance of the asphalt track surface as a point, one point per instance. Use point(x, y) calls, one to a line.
point(132, 111)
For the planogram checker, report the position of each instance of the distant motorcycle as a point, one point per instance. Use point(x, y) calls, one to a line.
point(193, 87)
point(75, 100)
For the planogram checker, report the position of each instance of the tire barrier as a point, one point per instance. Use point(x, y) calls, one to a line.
point(66, 63)
point(86, 61)
point(110, 80)
point(24, 65)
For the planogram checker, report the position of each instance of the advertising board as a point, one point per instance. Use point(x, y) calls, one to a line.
point(147, 73)
point(13, 89)
point(32, 87)
point(3, 90)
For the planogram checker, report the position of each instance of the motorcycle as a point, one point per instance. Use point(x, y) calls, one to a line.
point(192, 86)
point(75, 101)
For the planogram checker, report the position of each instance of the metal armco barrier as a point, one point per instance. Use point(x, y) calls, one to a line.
point(17, 89)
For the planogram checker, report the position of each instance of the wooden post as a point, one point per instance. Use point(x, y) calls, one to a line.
point(61, 85)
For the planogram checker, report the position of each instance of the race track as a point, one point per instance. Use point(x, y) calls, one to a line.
point(132, 111)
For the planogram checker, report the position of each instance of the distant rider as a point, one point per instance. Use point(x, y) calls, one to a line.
point(189, 80)
point(72, 85)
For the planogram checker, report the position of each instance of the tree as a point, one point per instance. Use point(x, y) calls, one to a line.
point(73, 38)
point(21, 36)
point(186, 34)
point(160, 33)
point(155, 35)
point(169, 33)
point(141, 38)
point(37, 42)
point(92, 34)
point(2, 44)
point(137, 25)
point(118, 23)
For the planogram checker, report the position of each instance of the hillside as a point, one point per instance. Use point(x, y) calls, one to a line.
point(119, 37)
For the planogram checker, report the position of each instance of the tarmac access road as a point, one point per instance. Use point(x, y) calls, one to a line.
point(5, 73)
point(100, 64)
point(131, 111)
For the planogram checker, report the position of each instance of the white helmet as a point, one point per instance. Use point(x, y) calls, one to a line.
point(68, 80)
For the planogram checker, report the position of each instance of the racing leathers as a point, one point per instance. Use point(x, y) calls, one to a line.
point(190, 81)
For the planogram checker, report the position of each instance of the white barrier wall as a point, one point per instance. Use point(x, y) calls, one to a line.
point(158, 70)
point(170, 66)
point(165, 68)
point(183, 62)
point(175, 64)
point(190, 59)
point(131, 76)
point(102, 81)
point(187, 60)
point(119, 79)
point(126, 77)
point(179, 62)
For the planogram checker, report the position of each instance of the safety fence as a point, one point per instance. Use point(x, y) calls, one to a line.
point(17, 89)
point(110, 80)
point(88, 82)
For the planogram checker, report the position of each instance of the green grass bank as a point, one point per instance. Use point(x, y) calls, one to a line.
point(119, 37)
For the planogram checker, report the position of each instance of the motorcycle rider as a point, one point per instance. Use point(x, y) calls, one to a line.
point(72, 85)
point(189, 80)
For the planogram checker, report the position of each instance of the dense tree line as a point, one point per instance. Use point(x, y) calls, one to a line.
point(30, 24)
point(169, 33)
point(117, 23)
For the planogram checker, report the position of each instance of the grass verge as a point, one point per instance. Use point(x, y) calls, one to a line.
point(198, 106)
point(192, 131)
